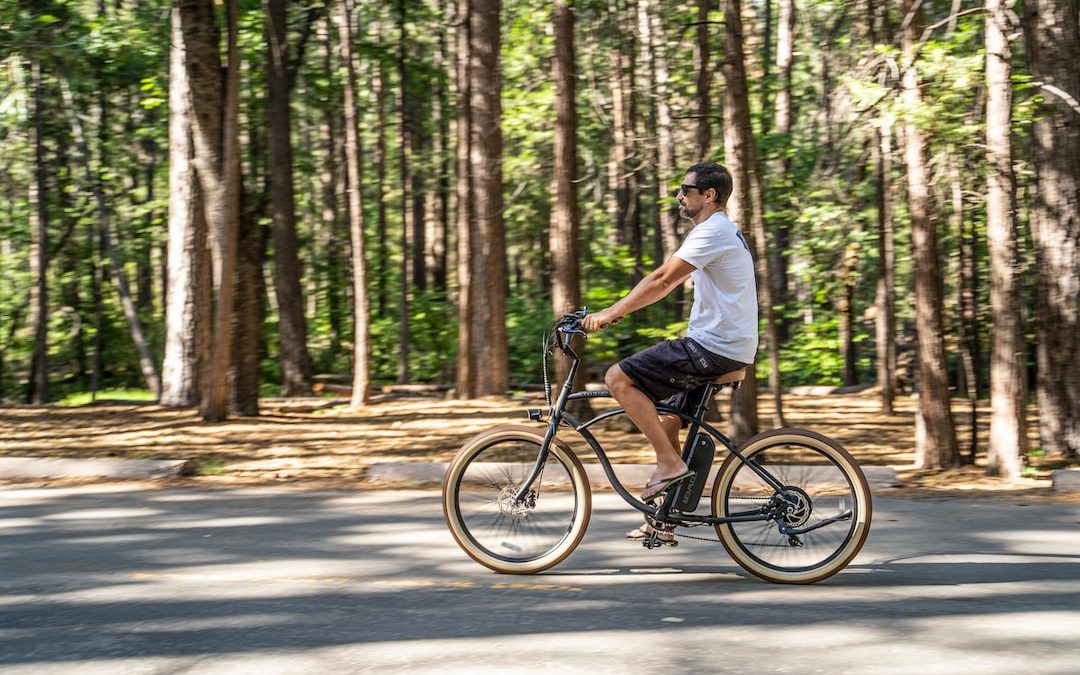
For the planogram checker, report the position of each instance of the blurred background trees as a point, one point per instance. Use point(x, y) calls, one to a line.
point(907, 170)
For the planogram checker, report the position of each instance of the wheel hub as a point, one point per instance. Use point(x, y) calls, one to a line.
point(515, 509)
point(795, 507)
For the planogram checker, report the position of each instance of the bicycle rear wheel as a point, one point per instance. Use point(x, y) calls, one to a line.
point(516, 538)
point(825, 503)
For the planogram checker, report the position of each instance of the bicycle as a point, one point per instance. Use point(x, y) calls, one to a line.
point(789, 505)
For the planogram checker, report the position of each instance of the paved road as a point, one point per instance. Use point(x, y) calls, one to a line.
point(272, 581)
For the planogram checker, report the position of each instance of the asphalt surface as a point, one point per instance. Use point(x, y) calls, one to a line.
point(121, 580)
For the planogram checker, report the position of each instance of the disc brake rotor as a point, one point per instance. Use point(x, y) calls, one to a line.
point(796, 506)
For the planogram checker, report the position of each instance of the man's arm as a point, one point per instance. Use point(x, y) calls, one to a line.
point(652, 288)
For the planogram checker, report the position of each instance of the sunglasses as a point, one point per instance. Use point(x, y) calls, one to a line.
point(685, 189)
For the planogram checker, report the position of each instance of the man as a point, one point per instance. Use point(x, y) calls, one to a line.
point(722, 335)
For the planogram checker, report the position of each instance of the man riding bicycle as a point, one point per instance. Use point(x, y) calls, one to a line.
point(721, 337)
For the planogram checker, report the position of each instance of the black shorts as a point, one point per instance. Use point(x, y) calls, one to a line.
point(675, 372)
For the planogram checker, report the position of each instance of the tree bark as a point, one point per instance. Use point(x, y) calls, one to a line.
point(187, 296)
point(936, 445)
point(408, 216)
point(703, 82)
point(739, 157)
point(968, 291)
point(1008, 442)
point(565, 224)
point(1052, 31)
point(214, 123)
point(848, 280)
point(885, 295)
point(361, 394)
point(778, 252)
point(38, 389)
point(330, 180)
point(466, 236)
point(441, 211)
point(487, 348)
point(382, 255)
point(292, 325)
point(248, 318)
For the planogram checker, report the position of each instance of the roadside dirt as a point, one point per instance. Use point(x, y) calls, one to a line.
point(316, 444)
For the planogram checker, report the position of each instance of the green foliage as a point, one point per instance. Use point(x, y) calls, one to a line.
point(812, 355)
point(116, 65)
point(86, 398)
point(210, 466)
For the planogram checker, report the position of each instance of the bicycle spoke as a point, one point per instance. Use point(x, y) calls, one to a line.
point(498, 526)
point(813, 519)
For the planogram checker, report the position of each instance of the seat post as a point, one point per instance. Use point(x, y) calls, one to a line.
point(703, 404)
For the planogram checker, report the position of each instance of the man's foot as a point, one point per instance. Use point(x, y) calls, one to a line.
point(666, 537)
point(657, 487)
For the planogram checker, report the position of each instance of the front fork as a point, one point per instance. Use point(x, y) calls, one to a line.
point(553, 427)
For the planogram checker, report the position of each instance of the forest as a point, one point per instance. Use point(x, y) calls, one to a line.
point(204, 203)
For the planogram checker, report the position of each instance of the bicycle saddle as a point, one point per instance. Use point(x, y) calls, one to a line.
point(732, 377)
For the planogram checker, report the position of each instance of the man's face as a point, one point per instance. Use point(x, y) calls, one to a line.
point(691, 199)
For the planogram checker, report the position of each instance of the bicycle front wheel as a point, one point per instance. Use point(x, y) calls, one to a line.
point(521, 537)
point(815, 523)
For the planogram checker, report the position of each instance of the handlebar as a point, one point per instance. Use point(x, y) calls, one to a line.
point(569, 325)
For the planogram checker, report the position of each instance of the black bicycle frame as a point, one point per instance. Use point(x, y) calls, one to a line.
point(558, 415)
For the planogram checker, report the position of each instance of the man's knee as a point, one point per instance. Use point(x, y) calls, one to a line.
point(616, 379)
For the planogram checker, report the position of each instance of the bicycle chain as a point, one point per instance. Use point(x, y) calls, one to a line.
point(717, 540)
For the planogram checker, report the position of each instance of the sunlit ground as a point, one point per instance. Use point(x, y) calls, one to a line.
point(298, 442)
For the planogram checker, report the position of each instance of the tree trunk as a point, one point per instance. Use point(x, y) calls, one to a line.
point(467, 293)
point(441, 212)
point(1053, 40)
point(782, 116)
point(739, 156)
point(885, 296)
point(936, 445)
point(252, 242)
point(292, 326)
point(187, 296)
point(1008, 442)
point(487, 348)
point(329, 180)
point(382, 254)
point(623, 173)
point(97, 280)
point(361, 394)
point(408, 217)
point(247, 326)
point(702, 91)
point(646, 128)
point(38, 390)
point(217, 164)
point(968, 291)
point(764, 83)
point(849, 277)
point(563, 234)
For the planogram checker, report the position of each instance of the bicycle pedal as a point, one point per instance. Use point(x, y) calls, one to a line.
point(656, 542)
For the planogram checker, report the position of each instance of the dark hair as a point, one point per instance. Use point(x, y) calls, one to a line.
point(715, 176)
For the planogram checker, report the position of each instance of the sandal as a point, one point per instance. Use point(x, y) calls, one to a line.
point(666, 536)
point(661, 485)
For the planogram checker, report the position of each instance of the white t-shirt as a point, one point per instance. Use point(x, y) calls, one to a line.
point(724, 318)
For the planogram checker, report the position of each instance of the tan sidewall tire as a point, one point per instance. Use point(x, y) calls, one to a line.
point(726, 475)
point(580, 483)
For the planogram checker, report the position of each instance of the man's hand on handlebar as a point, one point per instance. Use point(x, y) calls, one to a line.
point(600, 320)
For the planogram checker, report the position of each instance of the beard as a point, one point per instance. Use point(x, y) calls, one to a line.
point(687, 212)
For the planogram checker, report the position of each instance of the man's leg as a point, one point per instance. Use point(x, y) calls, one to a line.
point(671, 425)
point(642, 411)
